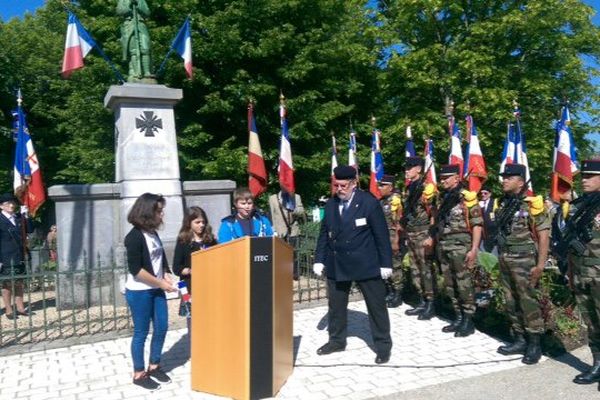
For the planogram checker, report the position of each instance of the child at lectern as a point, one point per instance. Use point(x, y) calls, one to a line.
point(195, 234)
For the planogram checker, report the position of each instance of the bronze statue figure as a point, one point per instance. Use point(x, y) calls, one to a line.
point(135, 40)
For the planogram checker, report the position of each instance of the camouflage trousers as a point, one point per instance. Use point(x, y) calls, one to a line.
point(587, 292)
point(522, 305)
point(458, 280)
point(397, 272)
point(421, 266)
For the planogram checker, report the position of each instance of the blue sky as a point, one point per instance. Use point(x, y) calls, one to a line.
point(16, 8)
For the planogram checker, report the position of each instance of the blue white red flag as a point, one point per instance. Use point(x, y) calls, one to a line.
point(28, 184)
point(456, 156)
point(409, 150)
point(257, 172)
point(430, 176)
point(286, 166)
point(376, 163)
point(564, 165)
point(508, 152)
point(474, 168)
point(334, 163)
point(515, 149)
point(352, 159)
point(410, 146)
point(182, 44)
point(78, 44)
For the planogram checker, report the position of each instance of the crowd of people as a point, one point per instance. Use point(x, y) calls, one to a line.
point(364, 240)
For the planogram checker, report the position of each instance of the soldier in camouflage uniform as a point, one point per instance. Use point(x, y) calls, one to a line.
point(586, 265)
point(415, 222)
point(391, 204)
point(521, 222)
point(457, 230)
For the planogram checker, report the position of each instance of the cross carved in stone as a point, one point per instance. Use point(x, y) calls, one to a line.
point(148, 123)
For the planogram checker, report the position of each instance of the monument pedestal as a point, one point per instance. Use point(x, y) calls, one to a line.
point(146, 153)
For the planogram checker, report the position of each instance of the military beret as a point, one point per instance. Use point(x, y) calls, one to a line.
point(450, 169)
point(514, 170)
point(590, 167)
point(388, 179)
point(485, 187)
point(414, 162)
point(344, 172)
point(6, 197)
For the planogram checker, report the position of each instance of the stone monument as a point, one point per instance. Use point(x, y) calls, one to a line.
point(92, 219)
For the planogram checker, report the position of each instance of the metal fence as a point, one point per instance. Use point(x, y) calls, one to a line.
point(88, 302)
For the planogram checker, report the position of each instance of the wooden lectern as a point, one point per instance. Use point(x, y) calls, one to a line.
point(242, 312)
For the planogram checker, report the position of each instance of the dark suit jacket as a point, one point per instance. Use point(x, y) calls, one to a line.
point(355, 246)
point(11, 240)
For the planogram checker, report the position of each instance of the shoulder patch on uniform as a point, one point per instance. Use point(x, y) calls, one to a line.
point(476, 212)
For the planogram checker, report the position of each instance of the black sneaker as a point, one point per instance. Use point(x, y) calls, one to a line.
point(158, 375)
point(147, 383)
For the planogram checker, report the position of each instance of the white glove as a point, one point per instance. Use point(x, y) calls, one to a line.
point(385, 273)
point(318, 269)
point(24, 211)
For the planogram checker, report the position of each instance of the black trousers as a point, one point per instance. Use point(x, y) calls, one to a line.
point(373, 291)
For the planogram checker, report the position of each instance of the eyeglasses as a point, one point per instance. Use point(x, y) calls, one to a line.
point(342, 185)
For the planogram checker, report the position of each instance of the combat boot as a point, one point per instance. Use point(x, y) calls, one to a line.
point(592, 375)
point(454, 325)
point(395, 299)
point(428, 311)
point(389, 291)
point(418, 309)
point(517, 347)
point(534, 350)
point(466, 328)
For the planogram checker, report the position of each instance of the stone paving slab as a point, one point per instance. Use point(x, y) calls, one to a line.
point(422, 356)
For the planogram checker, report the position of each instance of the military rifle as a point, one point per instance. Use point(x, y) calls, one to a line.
point(451, 199)
point(505, 217)
point(414, 195)
point(577, 231)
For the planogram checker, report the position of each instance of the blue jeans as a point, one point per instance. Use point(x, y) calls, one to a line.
point(147, 305)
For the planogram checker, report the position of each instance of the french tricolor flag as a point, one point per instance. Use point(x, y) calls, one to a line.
point(565, 157)
point(182, 44)
point(456, 156)
point(430, 176)
point(508, 151)
point(286, 166)
point(257, 180)
point(409, 149)
point(334, 163)
point(77, 45)
point(474, 163)
point(376, 164)
point(352, 159)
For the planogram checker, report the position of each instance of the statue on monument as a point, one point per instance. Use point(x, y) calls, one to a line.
point(135, 40)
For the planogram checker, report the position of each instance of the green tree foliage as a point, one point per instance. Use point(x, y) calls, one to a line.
point(336, 61)
point(489, 53)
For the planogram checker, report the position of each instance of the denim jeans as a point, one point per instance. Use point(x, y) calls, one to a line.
point(147, 305)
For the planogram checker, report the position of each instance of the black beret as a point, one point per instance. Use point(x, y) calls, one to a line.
point(6, 197)
point(514, 170)
point(388, 179)
point(450, 169)
point(344, 172)
point(414, 162)
point(590, 167)
point(485, 187)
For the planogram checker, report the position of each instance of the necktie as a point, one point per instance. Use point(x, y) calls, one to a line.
point(345, 204)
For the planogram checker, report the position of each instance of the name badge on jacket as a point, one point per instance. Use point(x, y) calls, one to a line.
point(360, 222)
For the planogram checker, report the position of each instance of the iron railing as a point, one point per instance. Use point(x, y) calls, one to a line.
point(88, 302)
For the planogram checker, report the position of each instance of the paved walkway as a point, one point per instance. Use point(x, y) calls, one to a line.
point(422, 357)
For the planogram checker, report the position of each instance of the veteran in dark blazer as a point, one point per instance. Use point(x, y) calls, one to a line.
point(12, 255)
point(354, 245)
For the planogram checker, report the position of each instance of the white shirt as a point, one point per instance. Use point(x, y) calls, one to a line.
point(155, 248)
point(10, 217)
point(341, 206)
